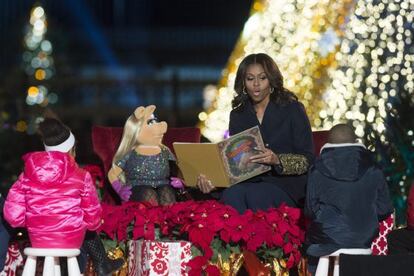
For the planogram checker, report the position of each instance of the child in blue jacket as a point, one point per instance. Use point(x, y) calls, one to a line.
point(347, 196)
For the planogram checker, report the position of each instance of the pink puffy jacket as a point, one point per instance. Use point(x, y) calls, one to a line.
point(54, 199)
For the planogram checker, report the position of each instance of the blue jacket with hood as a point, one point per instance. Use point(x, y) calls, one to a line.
point(347, 196)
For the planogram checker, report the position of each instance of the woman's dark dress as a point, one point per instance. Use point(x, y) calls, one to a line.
point(286, 131)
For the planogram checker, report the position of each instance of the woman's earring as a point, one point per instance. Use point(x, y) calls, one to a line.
point(244, 91)
point(272, 89)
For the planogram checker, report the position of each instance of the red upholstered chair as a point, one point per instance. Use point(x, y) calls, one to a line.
point(105, 140)
point(319, 139)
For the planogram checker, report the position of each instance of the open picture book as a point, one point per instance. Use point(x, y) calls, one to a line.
point(224, 163)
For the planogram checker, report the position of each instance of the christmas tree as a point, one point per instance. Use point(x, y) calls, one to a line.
point(20, 111)
point(302, 36)
point(39, 67)
point(373, 86)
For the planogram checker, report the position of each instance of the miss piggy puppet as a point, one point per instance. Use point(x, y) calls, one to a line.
point(142, 165)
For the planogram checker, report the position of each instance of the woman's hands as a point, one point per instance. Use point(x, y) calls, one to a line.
point(267, 156)
point(204, 184)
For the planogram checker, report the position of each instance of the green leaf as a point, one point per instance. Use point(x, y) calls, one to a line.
point(109, 244)
point(195, 251)
point(235, 249)
point(225, 253)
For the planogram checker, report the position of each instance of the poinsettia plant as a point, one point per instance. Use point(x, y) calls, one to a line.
point(214, 230)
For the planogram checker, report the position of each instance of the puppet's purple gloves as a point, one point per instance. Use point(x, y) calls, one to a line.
point(177, 183)
point(124, 191)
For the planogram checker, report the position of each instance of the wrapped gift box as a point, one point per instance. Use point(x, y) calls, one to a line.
point(158, 258)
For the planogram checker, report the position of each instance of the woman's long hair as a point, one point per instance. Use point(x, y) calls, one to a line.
point(280, 94)
point(129, 137)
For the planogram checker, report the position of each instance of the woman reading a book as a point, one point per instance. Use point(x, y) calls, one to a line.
point(262, 100)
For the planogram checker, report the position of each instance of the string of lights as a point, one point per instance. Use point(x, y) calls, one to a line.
point(37, 58)
point(302, 36)
point(346, 61)
point(375, 66)
point(38, 64)
point(373, 86)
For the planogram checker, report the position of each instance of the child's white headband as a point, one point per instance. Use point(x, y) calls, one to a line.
point(63, 147)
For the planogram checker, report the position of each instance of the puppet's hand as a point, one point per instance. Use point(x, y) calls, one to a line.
point(124, 191)
point(176, 182)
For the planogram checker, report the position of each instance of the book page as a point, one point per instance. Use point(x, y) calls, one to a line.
point(194, 159)
point(236, 152)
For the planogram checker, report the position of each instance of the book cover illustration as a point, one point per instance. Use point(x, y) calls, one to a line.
point(236, 152)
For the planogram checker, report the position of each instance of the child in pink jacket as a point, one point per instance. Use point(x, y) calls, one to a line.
point(53, 198)
point(57, 202)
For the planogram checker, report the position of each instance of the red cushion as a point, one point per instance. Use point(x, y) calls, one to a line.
point(320, 138)
point(105, 140)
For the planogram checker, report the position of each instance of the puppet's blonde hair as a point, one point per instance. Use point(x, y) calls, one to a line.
point(129, 137)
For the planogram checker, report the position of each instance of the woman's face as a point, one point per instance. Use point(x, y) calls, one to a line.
point(257, 84)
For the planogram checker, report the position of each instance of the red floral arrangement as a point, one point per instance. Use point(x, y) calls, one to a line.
point(96, 174)
point(212, 228)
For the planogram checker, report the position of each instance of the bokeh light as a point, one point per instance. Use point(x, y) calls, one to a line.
point(302, 36)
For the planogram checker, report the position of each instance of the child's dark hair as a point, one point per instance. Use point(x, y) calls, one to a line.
point(341, 133)
point(53, 132)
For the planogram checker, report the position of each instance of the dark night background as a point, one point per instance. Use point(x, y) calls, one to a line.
point(111, 56)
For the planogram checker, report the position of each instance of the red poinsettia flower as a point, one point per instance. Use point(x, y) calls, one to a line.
point(124, 219)
point(273, 216)
point(283, 226)
point(261, 234)
point(110, 220)
point(201, 236)
point(237, 228)
point(295, 230)
point(196, 265)
point(292, 214)
point(204, 221)
point(291, 261)
point(297, 256)
point(212, 270)
point(219, 216)
point(139, 226)
point(277, 239)
point(213, 214)
point(96, 174)
point(287, 248)
point(199, 264)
